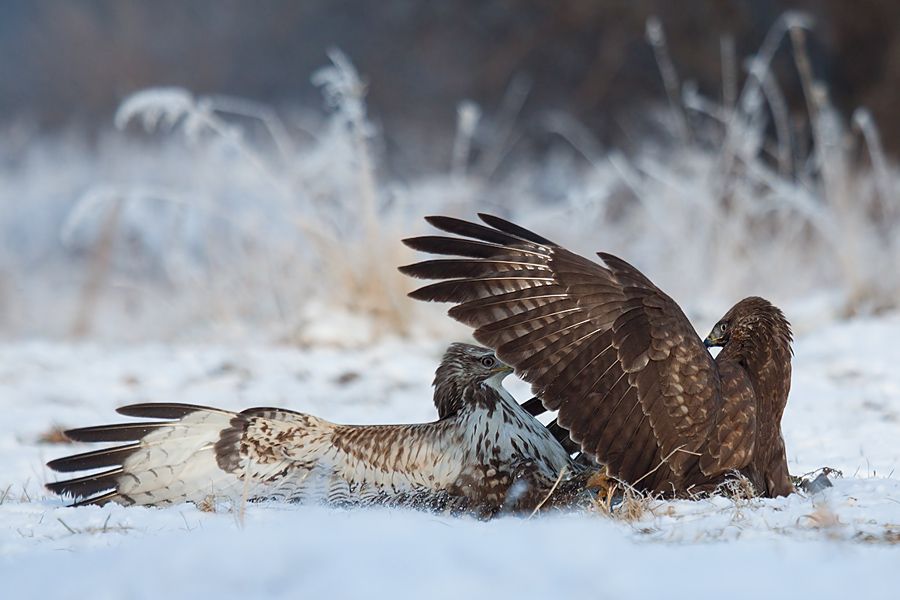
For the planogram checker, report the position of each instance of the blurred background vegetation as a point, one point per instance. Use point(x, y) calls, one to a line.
point(726, 147)
point(71, 62)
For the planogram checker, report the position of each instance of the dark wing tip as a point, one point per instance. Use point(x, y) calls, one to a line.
point(122, 432)
point(95, 459)
point(439, 220)
point(430, 243)
point(411, 242)
point(130, 432)
point(97, 500)
point(460, 268)
point(437, 244)
point(162, 410)
point(82, 487)
point(427, 294)
point(513, 229)
point(474, 231)
point(410, 270)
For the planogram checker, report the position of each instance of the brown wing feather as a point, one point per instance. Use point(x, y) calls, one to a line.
point(600, 343)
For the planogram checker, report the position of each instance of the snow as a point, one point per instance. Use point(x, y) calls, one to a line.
point(316, 553)
point(844, 413)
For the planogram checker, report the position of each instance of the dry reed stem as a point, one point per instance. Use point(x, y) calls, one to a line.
point(562, 474)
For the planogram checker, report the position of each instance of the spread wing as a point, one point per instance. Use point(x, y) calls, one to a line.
point(198, 453)
point(600, 343)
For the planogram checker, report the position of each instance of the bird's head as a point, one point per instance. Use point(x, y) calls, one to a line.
point(747, 320)
point(471, 364)
point(463, 366)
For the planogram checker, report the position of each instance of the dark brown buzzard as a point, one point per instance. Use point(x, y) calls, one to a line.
point(634, 385)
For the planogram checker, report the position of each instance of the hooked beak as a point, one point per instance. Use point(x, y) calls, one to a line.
point(502, 369)
point(712, 342)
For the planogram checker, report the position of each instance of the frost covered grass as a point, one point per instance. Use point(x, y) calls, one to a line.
point(227, 220)
point(843, 412)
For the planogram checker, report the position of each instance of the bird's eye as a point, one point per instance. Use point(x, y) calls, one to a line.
point(723, 327)
point(488, 361)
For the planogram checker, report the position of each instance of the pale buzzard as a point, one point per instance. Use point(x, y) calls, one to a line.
point(484, 454)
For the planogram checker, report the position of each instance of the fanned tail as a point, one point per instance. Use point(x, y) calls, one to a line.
point(200, 454)
point(191, 457)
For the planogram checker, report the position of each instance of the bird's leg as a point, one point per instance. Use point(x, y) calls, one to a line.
point(599, 481)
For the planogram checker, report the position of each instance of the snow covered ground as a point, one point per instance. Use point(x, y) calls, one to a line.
point(844, 413)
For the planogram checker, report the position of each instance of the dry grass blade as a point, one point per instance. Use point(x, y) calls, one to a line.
point(208, 504)
point(737, 488)
point(623, 502)
point(72, 531)
point(562, 474)
point(662, 462)
point(5, 494)
point(105, 528)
